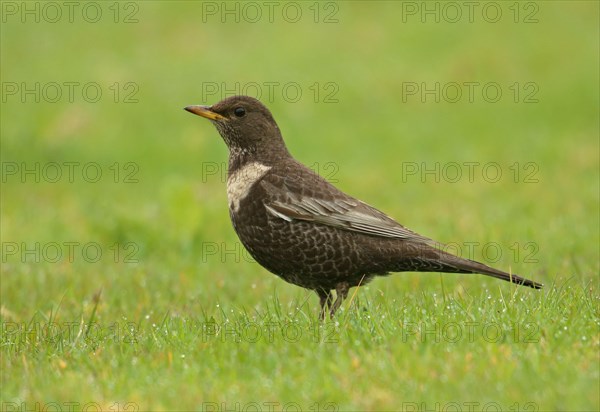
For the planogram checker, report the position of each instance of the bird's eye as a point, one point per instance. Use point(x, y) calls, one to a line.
point(239, 111)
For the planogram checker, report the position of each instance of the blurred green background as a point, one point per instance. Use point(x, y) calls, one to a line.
point(377, 109)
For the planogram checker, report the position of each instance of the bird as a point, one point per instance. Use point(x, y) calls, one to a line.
point(300, 227)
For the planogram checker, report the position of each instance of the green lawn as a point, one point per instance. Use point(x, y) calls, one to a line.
point(124, 286)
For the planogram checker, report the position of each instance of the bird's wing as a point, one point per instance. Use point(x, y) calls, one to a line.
point(326, 205)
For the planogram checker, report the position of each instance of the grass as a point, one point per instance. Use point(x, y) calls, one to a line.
point(174, 315)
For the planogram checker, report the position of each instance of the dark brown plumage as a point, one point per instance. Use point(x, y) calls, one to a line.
point(300, 227)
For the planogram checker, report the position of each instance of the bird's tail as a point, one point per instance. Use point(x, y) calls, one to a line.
point(439, 260)
point(471, 266)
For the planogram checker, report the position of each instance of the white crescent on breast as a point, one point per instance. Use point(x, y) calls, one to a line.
point(240, 182)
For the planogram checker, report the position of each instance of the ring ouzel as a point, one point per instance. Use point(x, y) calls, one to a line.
point(302, 228)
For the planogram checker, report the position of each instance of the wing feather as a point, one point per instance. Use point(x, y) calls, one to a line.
point(344, 213)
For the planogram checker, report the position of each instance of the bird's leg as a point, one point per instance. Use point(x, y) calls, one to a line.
point(341, 291)
point(325, 299)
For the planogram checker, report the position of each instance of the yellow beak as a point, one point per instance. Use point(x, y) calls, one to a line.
point(205, 111)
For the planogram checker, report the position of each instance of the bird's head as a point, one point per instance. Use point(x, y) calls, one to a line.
point(245, 124)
